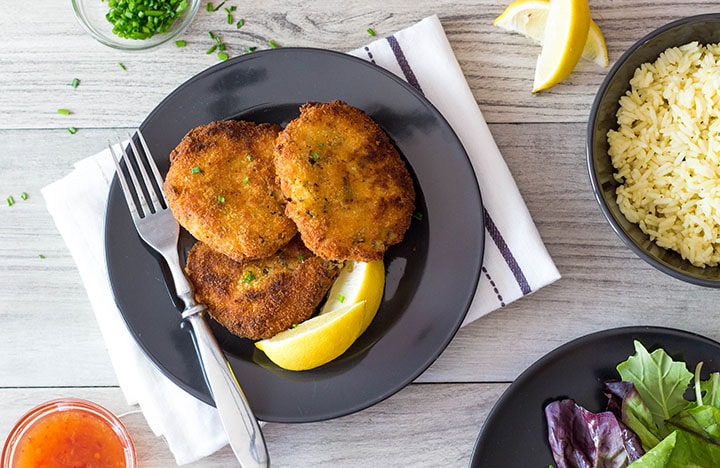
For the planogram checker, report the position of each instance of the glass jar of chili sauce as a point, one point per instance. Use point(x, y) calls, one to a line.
point(69, 432)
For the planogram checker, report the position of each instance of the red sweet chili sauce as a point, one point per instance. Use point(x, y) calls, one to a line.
point(69, 433)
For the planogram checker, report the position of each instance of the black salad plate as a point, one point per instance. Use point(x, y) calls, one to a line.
point(430, 277)
point(515, 432)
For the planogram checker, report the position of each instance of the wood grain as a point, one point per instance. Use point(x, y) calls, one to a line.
point(50, 343)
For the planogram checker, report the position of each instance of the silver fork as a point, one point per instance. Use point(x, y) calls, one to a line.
point(159, 229)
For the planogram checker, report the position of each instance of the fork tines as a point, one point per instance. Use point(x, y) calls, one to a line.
point(138, 189)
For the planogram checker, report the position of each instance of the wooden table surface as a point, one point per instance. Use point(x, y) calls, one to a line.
point(50, 344)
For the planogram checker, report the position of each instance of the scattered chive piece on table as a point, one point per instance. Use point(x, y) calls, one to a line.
point(371, 32)
point(195, 170)
point(64, 112)
point(72, 130)
point(250, 50)
point(211, 35)
point(180, 43)
point(41, 255)
point(122, 67)
point(222, 46)
point(209, 6)
point(74, 83)
point(229, 11)
point(141, 19)
point(24, 195)
point(240, 23)
point(10, 200)
point(211, 50)
point(222, 56)
point(273, 44)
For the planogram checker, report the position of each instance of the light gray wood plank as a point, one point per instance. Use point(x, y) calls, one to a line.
point(41, 57)
point(424, 425)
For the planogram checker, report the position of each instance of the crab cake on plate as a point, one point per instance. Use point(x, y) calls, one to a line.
point(222, 188)
point(347, 188)
point(257, 299)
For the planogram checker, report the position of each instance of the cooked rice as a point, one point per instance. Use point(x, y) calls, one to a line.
point(667, 151)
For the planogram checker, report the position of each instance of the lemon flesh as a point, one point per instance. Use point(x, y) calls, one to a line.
point(565, 34)
point(529, 17)
point(318, 340)
point(358, 281)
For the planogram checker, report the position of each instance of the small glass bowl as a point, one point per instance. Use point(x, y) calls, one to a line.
point(33, 418)
point(91, 16)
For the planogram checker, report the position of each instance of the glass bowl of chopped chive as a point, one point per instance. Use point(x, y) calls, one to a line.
point(134, 24)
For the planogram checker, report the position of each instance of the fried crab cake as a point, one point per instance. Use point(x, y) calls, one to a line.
point(347, 188)
point(257, 299)
point(222, 188)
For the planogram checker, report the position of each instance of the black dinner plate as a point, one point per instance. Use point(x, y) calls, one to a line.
point(430, 277)
point(515, 433)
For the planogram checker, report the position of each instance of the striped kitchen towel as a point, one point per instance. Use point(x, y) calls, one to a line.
point(516, 262)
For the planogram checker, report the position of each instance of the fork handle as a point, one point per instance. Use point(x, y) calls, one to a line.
point(242, 428)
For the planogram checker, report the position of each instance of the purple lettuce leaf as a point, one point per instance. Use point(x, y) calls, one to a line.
point(582, 439)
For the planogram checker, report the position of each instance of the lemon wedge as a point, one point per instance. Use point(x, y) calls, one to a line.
point(318, 340)
point(566, 30)
point(358, 281)
point(529, 17)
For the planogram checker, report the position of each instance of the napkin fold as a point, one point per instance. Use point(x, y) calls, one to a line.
point(515, 264)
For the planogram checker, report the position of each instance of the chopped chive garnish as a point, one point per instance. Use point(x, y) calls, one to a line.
point(223, 56)
point(249, 157)
point(315, 156)
point(122, 67)
point(72, 130)
point(249, 276)
point(24, 195)
point(229, 11)
point(41, 256)
point(301, 257)
point(311, 214)
point(212, 36)
point(294, 325)
point(246, 180)
point(10, 200)
point(250, 50)
point(222, 46)
point(221, 199)
point(75, 82)
point(371, 31)
point(321, 145)
point(141, 19)
point(195, 170)
point(64, 112)
point(273, 44)
point(180, 43)
point(211, 50)
point(218, 40)
point(240, 23)
point(341, 298)
point(210, 6)
point(417, 215)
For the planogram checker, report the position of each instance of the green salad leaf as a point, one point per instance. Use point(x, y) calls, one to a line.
point(660, 381)
point(681, 450)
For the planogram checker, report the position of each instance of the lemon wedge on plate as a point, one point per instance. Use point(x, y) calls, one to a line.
point(316, 341)
point(352, 303)
point(529, 17)
point(358, 281)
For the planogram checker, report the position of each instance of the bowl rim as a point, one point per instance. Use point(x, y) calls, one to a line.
point(589, 154)
point(135, 45)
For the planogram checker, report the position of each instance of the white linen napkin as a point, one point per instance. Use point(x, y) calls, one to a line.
point(515, 264)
